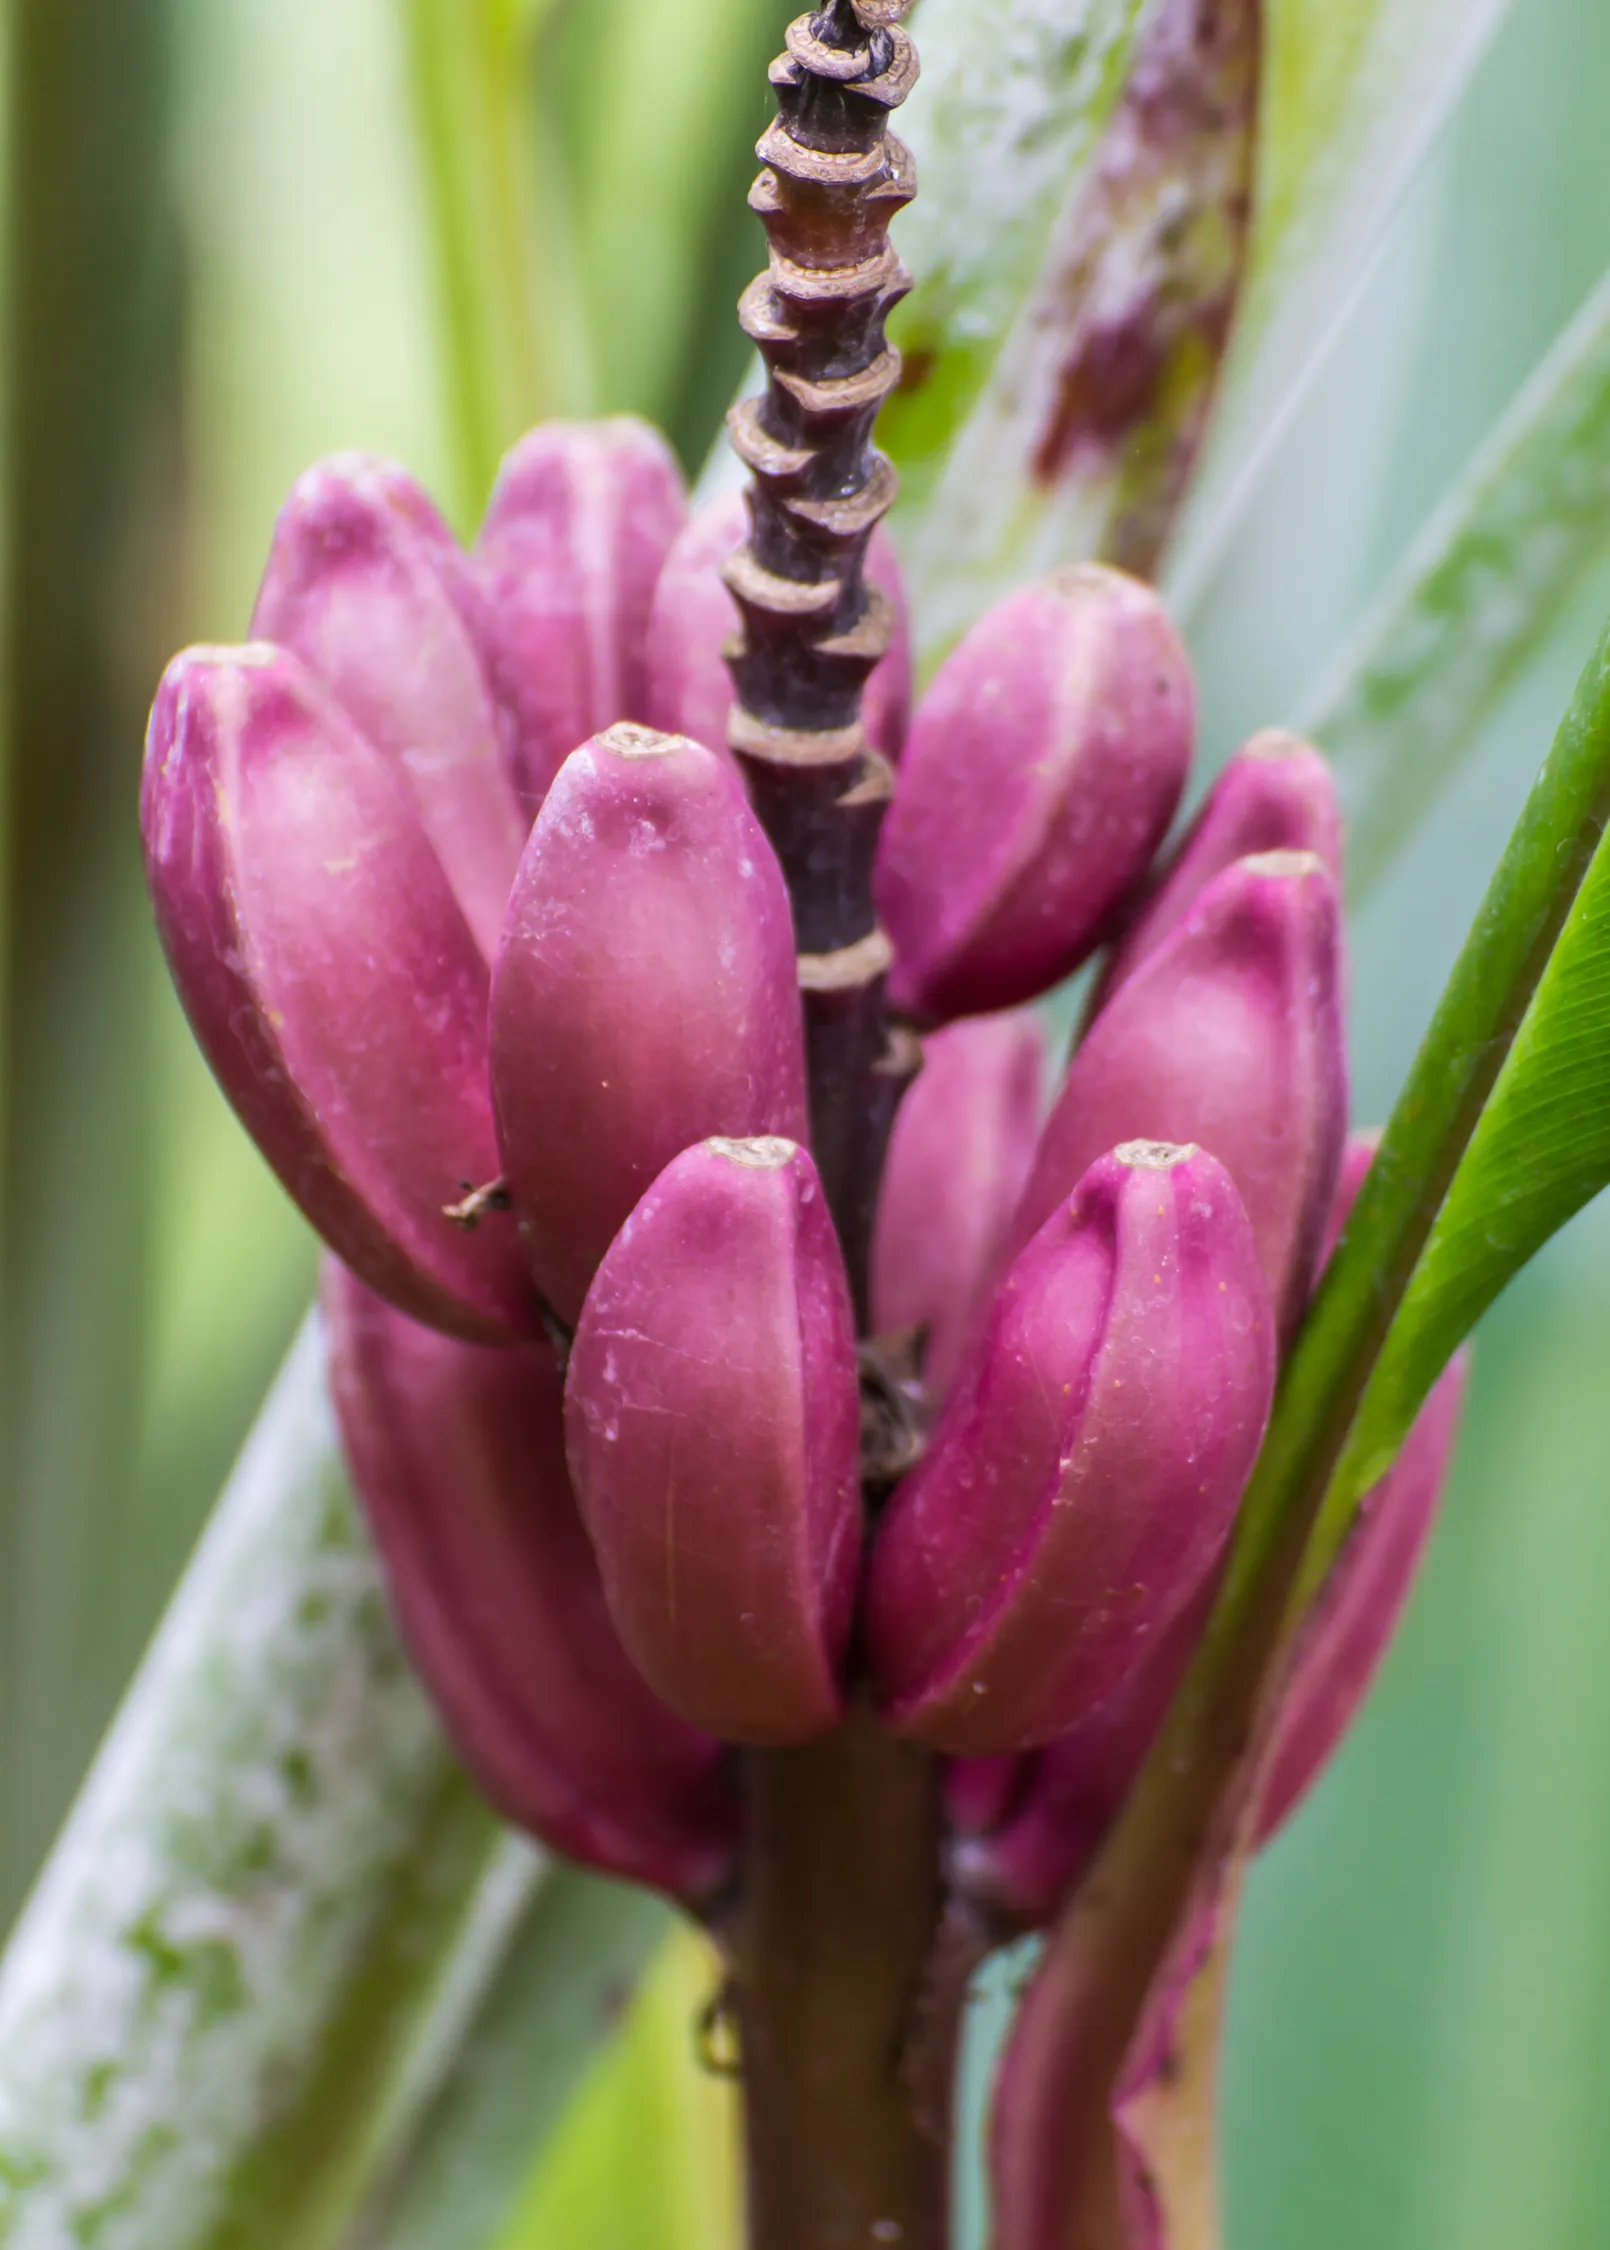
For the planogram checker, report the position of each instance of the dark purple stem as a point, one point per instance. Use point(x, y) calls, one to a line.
point(812, 628)
point(847, 2056)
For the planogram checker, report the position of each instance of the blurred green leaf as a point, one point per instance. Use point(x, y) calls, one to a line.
point(648, 2157)
point(1477, 596)
point(657, 115)
point(90, 469)
point(200, 2009)
point(510, 326)
point(1053, 404)
point(1435, 1128)
point(505, 2074)
point(1355, 93)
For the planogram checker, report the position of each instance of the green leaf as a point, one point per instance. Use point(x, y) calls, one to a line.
point(512, 335)
point(647, 2158)
point(659, 151)
point(92, 381)
point(1481, 589)
point(1540, 1152)
point(1356, 91)
point(505, 2072)
point(1511, 997)
point(248, 1911)
point(1056, 395)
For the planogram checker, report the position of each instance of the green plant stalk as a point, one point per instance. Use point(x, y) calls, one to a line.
point(1181, 1825)
point(1478, 593)
point(511, 329)
point(1540, 1152)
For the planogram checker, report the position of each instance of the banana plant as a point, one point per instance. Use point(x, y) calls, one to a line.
point(803, 1474)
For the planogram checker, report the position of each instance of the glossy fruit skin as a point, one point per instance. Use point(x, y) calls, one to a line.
point(1277, 794)
point(1025, 1836)
point(713, 1421)
point(958, 1161)
point(1042, 770)
point(1083, 1479)
point(580, 522)
point(369, 587)
point(457, 1451)
point(330, 978)
point(1230, 1035)
point(645, 996)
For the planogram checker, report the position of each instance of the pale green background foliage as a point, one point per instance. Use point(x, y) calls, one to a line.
point(1420, 2033)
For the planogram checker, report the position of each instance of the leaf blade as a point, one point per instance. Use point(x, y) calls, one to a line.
point(1065, 422)
point(1540, 1153)
point(1356, 95)
point(513, 341)
point(270, 1923)
point(1009, 108)
point(195, 1878)
point(1476, 596)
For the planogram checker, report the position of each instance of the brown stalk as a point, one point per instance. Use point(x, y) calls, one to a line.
point(812, 629)
point(847, 2018)
point(847, 2064)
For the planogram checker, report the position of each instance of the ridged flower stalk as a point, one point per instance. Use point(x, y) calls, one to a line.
point(813, 626)
point(842, 1894)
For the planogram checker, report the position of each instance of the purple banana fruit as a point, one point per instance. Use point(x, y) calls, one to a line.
point(1043, 769)
point(1026, 1838)
point(457, 1451)
point(1231, 1036)
point(958, 1161)
point(645, 997)
point(713, 1414)
point(581, 520)
point(1275, 795)
point(331, 978)
point(1083, 1480)
point(368, 586)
